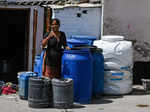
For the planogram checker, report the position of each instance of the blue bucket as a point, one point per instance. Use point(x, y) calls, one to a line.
point(23, 79)
point(77, 64)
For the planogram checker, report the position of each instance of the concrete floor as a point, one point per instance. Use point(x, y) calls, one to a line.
point(137, 101)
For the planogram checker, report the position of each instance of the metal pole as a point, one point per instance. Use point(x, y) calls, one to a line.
point(102, 17)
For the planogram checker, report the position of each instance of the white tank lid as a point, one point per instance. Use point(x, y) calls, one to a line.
point(112, 37)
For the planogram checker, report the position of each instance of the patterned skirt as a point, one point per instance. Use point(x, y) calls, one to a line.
point(51, 71)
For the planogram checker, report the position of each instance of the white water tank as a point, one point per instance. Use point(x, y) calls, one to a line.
point(117, 82)
point(118, 53)
point(118, 63)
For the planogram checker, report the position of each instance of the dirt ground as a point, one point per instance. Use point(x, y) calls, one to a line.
point(137, 101)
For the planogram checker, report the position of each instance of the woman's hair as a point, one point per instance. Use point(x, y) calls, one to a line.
point(57, 21)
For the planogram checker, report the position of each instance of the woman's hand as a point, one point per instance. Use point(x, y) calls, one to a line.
point(45, 41)
point(51, 34)
point(68, 48)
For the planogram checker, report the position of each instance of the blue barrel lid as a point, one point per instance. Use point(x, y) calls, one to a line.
point(26, 74)
point(77, 51)
point(91, 48)
point(89, 37)
point(37, 56)
point(75, 41)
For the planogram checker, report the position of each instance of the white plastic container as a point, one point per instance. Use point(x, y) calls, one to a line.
point(117, 82)
point(146, 84)
point(118, 62)
point(118, 53)
point(112, 38)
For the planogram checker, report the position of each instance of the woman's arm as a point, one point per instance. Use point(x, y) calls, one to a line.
point(45, 40)
point(65, 42)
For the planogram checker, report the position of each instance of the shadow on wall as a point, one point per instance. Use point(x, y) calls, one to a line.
point(112, 26)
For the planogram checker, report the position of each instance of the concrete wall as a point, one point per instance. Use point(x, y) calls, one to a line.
point(131, 19)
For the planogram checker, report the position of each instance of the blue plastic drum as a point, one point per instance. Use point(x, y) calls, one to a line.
point(98, 72)
point(88, 38)
point(74, 42)
point(78, 65)
point(41, 62)
point(23, 79)
point(98, 69)
point(37, 63)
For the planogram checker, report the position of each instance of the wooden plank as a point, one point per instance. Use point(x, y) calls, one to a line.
point(34, 36)
point(48, 20)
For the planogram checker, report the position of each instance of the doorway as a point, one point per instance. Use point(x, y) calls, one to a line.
point(14, 43)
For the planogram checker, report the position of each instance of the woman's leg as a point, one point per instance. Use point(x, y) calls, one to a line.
point(44, 65)
point(52, 72)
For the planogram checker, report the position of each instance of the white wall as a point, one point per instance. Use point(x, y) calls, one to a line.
point(130, 18)
point(87, 24)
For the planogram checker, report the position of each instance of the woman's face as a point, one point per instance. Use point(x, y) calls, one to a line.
point(55, 26)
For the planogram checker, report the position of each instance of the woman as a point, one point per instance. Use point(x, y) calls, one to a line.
point(55, 40)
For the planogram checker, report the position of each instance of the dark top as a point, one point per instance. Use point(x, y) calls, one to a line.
point(54, 49)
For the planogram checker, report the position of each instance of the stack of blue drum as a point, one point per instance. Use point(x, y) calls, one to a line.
point(85, 65)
